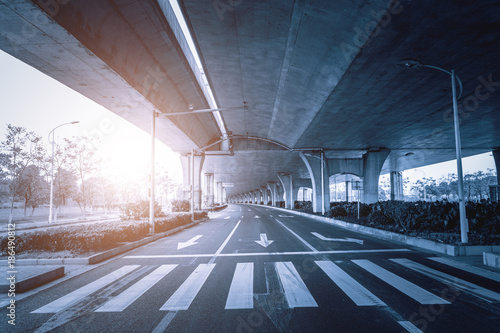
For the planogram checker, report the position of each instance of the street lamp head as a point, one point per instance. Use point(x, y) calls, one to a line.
point(75, 122)
point(409, 63)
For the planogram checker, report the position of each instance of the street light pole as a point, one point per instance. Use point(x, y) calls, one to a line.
point(411, 63)
point(52, 167)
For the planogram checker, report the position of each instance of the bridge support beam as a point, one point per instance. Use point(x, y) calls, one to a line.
point(274, 192)
point(209, 190)
point(372, 165)
point(318, 171)
point(286, 182)
point(188, 180)
point(496, 157)
point(219, 192)
point(396, 185)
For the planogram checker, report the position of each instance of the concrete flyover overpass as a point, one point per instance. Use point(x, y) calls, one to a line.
point(324, 94)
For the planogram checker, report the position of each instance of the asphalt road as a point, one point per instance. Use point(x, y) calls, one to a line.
point(255, 269)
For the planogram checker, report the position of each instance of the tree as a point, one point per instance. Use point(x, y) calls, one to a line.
point(85, 163)
point(20, 149)
point(32, 188)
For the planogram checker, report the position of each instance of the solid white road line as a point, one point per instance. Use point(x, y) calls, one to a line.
point(408, 326)
point(296, 292)
point(182, 298)
point(418, 294)
point(241, 290)
point(468, 268)
point(219, 250)
point(122, 301)
point(298, 237)
point(358, 294)
point(485, 294)
point(77, 295)
point(205, 255)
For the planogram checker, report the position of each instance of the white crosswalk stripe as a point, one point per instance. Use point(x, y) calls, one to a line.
point(296, 292)
point(122, 301)
point(184, 296)
point(483, 293)
point(468, 268)
point(420, 295)
point(358, 294)
point(79, 294)
point(241, 290)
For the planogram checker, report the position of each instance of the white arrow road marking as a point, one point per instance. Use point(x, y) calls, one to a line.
point(285, 216)
point(190, 242)
point(346, 239)
point(264, 241)
point(227, 217)
point(256, 217)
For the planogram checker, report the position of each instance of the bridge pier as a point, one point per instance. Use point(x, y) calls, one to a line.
point(209, 183)
point(318, 171)
point(287, 183)
point(274, 192)
point(396, 185)
point(372, 165)
point(496, 157)
point(265, 195)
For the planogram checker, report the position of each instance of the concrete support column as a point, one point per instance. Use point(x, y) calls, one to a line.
point(209, 190)
point(348, 187)
point(274, 192)
point(496, 157)
point(318, 171)
point(286, 182)
point(188, 175)
point(396, 185)
point(186, 172)
point(219, 193)
point(372, 165)
point(265, 195)
point(258, 196)
point(198, 166)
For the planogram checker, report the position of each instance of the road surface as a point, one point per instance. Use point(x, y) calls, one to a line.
point(256, 269)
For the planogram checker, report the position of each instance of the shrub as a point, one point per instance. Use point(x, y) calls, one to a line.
point(338, 211)
point(303, 206)
point(181, 206)
point(139, 210)
point(95, 237)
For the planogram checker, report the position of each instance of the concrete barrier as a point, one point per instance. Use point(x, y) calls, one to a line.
point(491, 259)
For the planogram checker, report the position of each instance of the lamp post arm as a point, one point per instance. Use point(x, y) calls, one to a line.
point(449, 73)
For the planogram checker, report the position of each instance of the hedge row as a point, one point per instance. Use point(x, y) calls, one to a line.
point(437, 220)
point(95, 237)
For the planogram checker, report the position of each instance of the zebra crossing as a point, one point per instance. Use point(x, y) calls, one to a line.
point(293, 287)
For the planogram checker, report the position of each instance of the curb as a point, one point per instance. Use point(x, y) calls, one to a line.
point(97, 258)
point(451, 250)
point(34, 281)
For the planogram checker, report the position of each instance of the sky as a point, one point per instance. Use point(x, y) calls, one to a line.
point(31, 99)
